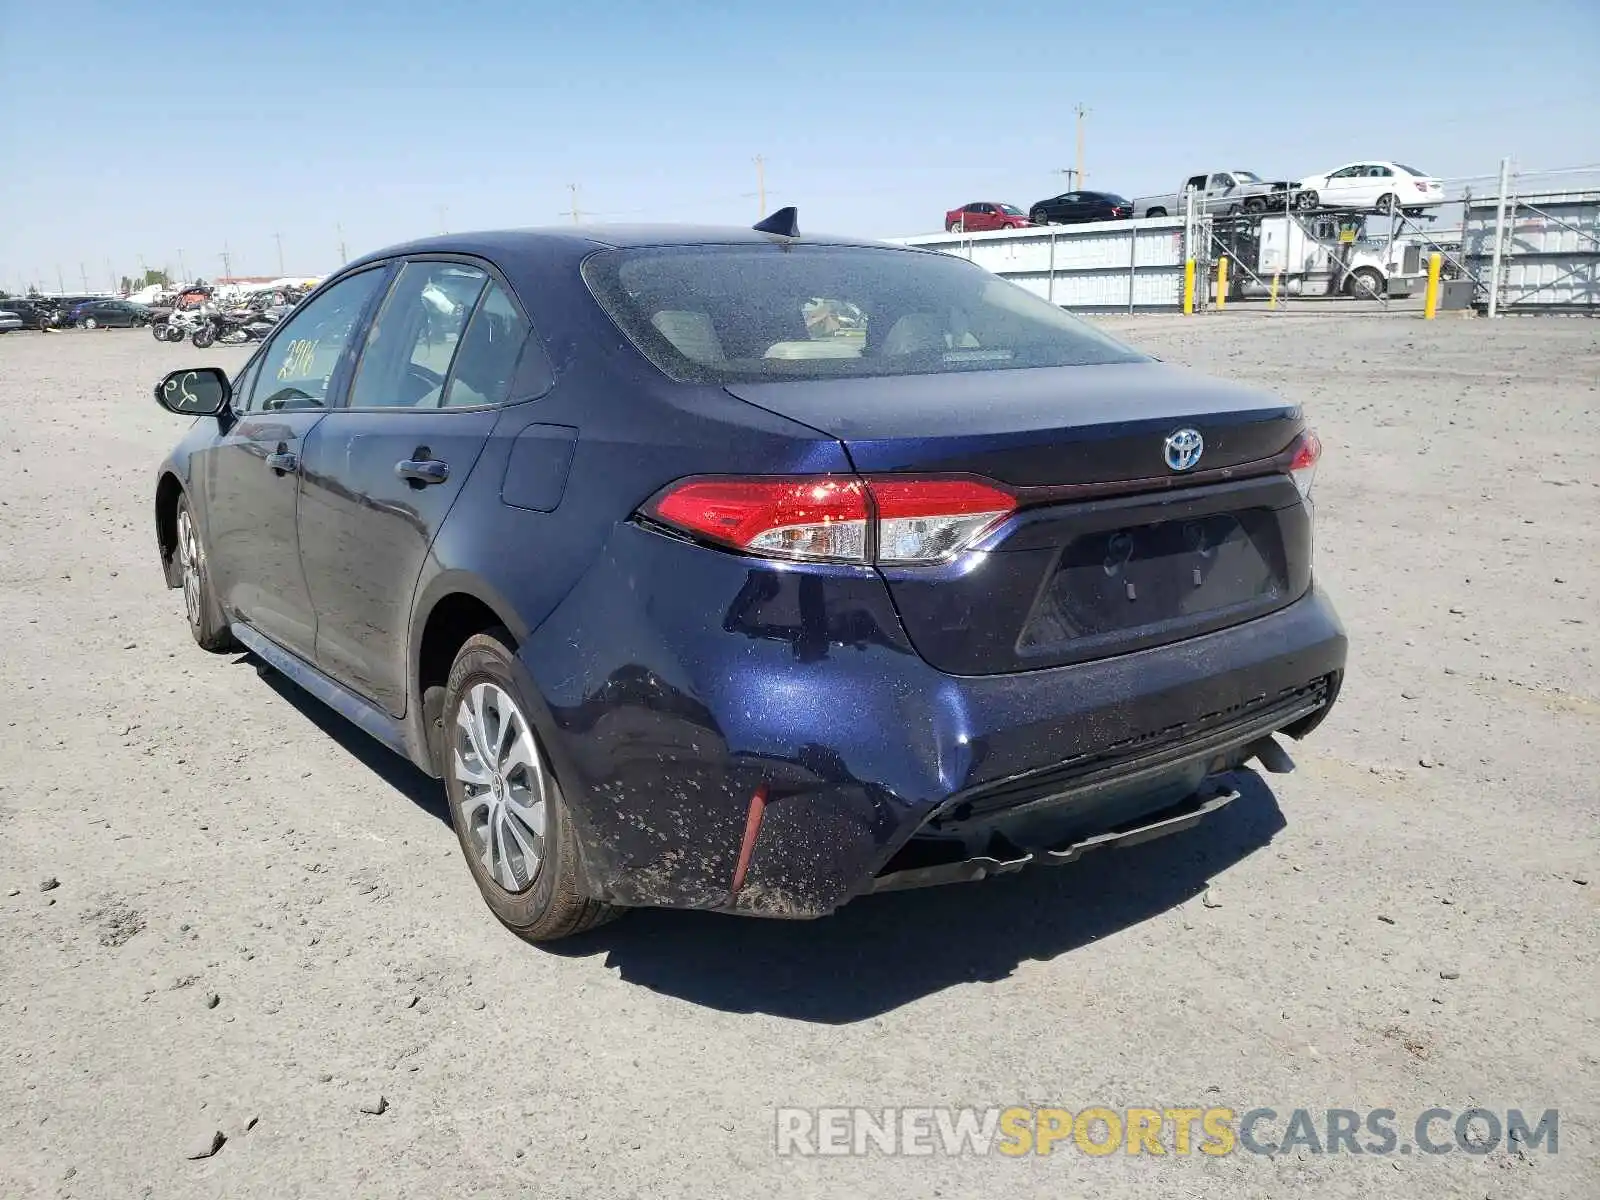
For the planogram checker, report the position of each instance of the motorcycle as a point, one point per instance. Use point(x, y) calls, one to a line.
point(180, 324)
point(232, 328)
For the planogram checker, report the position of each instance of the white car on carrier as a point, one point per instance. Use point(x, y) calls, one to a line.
point(1372, 185)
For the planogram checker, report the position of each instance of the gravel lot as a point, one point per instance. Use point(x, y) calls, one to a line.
point(262, 916)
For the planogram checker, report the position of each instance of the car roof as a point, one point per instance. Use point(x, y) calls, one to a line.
point(499, 244)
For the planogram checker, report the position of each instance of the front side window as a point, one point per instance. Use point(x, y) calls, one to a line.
point(754, 313)
point(300, 363)
point(408, 352)
point(1222, 181)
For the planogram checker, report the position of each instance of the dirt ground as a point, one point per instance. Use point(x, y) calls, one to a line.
point(261, 921)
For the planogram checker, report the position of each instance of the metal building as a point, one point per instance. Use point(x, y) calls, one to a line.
point(1102, 266)
point(1549, 250)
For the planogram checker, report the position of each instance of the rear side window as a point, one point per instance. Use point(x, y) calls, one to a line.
point(752, 313)
point(489, 352)
point(409, 350)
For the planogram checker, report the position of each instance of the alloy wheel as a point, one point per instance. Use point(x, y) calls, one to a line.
point(189, 565)
point(505, 786)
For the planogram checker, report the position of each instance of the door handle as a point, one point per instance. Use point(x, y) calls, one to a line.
point(283, 461)
point(420, 472)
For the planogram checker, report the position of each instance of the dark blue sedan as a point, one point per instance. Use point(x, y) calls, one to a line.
point(750, 571)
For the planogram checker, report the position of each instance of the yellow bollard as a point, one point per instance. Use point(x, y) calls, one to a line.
point(1273, 303)
point(1430, 304)
point(1222, 281)
point(1188, 287)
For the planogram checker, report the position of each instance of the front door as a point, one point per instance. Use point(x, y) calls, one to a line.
point(381, 474)
point(251, 475)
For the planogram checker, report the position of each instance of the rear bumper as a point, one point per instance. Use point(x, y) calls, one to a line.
point(715, 718)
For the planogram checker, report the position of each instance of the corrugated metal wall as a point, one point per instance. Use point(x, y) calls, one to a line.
point(1103, 266)
point(1551, 256)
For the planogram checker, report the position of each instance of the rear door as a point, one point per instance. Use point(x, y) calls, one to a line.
point(252, 472)
point(382, 473)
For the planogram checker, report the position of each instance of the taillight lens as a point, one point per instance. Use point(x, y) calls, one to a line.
point(1303, 465)
point(837, 518)
point(926, 520)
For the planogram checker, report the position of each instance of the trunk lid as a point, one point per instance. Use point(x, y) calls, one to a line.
point(1036, 427)
point(1111, 550)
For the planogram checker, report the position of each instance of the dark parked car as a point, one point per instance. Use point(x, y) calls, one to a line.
point(33, 312)
point(984, 215)
point(10, 320)
point(1069, 208)
point(109, 314)
point(694, 602)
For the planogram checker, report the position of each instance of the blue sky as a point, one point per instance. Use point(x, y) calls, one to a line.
point(137, 130)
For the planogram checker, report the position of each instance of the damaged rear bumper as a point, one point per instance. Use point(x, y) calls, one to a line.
point(795, 751)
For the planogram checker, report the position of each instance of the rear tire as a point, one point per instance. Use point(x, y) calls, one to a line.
point(90, 323)
point(506, 806)
point(1155, 212)
point(203, 337)
point(200, 603)
point(1389, 204)
point(158, 330)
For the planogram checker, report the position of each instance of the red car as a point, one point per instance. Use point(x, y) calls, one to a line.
point(985, 215)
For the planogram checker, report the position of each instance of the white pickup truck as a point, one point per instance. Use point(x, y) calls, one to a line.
point(1218, 192)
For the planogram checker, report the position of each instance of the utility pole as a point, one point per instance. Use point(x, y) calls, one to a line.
point(111, 273)
point(339, 229)
point(1072, 177)
point(440, 210)
point(1082, 113)
point(61, 283)
point(761, 186)
point(227, 262)
point(278, 237)
point(183, 271)
point(83, 273)
point(573, 188)
point(1499, 237)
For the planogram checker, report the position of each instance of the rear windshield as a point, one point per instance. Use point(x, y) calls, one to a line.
point(1412, 171)
point(731, 314)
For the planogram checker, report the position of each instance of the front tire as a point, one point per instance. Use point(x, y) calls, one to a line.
point(1306, 201)
point(507, 808)
point(158, 330)
point(199, 602)
point(204, 336)
point(1366, 284)
point(90, 323)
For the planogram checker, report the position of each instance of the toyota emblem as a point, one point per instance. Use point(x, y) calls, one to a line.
point(1183, 449)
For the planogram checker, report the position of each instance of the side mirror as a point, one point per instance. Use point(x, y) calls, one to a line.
point(196, 392)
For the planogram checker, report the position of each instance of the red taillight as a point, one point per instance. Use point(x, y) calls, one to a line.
point(1303, 465)
point(837, 518)
point(1421, 187)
